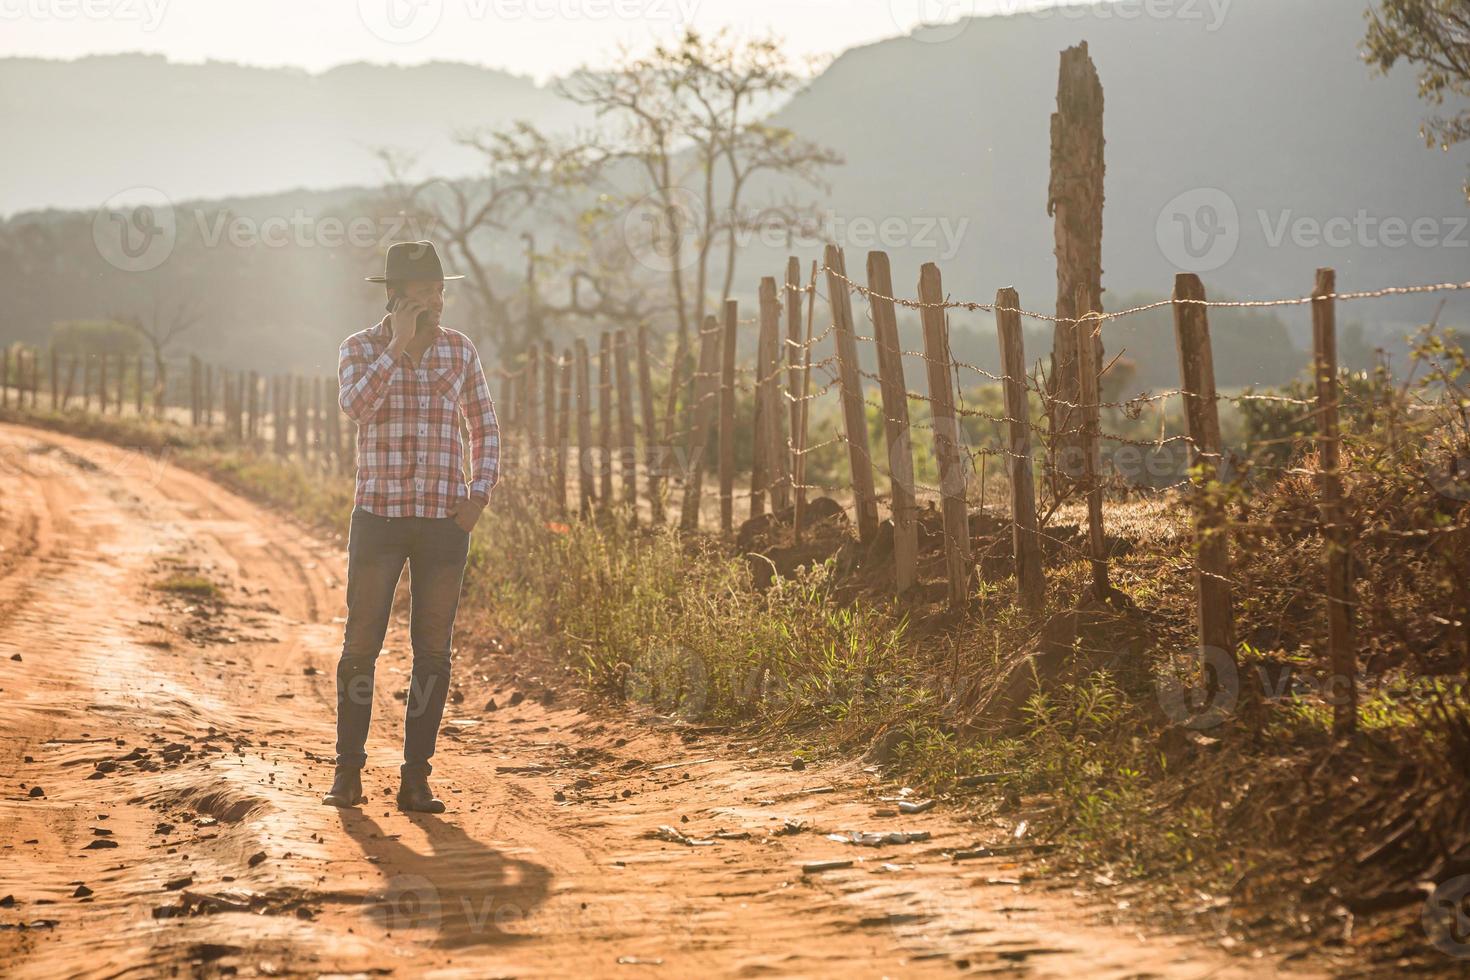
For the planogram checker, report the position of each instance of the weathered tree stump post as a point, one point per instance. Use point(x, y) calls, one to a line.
point(1075, 202)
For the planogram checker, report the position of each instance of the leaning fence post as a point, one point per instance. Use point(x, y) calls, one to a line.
point(704, 405)
point(727, 417)
point(1336, 540)
point(1201, 414)
point(947, 449)
point(587, 493)
point(772, 430)
point(1090, 408)
point(895, 422)
point(854, 411)
point(1030, 580)
point(652, 455)
point(627, 447)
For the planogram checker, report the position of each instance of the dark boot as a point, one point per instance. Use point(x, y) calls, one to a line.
point(346, 788)
point(414, 794)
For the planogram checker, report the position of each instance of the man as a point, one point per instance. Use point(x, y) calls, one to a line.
point(406, 383)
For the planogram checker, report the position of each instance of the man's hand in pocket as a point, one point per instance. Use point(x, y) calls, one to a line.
point(465, 513)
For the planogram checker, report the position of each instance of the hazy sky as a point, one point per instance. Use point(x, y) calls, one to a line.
point(535, 37)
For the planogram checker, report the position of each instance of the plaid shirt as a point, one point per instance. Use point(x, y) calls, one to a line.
point(409, 459)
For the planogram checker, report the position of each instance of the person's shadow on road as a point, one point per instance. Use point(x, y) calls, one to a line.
point(466, 892)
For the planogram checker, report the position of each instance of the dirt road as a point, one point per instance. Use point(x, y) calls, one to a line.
point(163, 754)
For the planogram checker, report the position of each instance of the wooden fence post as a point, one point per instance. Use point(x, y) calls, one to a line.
point(705, 396)
point(101, 383)
point(587, 492)
point(799, 440)
point(303, 420)
point(895, 423)
point(193, 391)
point(653, 452)
point(252, 406)
point(5, 377)
point(548, 422)
point(628, 446)
point(71, 380)
point(772, 429)
point(854, 411)
point(122, 373)
point(947, 448)
point(1201, 414)
point(1026, 543)
point(605, 421)
point(1336, 539)
point(727, 417)
point(1090, 409)
point(55, 392)
point(563, 436)
point(793, 360)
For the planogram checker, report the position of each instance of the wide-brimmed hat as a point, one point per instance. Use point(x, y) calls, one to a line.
point(412, 261)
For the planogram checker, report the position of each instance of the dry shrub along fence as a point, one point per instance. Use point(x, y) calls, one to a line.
point(600, 468)
point(288, 414)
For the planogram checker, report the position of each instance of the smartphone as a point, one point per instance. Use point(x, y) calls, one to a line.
point(418, 322)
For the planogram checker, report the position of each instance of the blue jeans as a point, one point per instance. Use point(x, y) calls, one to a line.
point(377, 547)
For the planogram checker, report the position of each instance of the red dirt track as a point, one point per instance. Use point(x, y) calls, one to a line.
point(192, 738)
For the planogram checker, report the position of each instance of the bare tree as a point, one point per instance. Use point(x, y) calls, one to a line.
point(166, 322)
point(522, 166)
point(686, 121)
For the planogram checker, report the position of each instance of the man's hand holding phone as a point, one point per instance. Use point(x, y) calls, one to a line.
point(403, 320)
